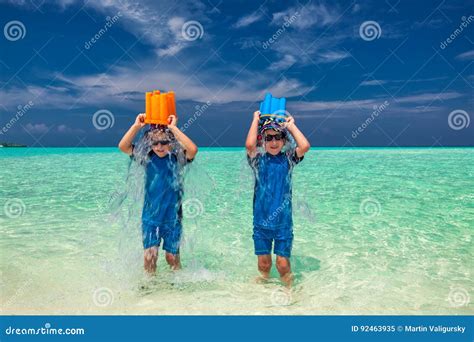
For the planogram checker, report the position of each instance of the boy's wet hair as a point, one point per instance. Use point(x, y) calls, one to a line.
point(159, 129)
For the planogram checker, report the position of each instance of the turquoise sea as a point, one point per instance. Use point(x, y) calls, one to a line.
point(377, 231)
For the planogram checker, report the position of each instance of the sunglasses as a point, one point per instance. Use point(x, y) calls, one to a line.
point(162, 142)
point(277, 137)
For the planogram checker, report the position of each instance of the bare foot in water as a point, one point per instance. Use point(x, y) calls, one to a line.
point(287, 279)
point(261, 279)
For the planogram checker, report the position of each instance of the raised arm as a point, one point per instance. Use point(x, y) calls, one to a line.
point(302, 144)
point(251, 142)
point(188, 145)
point(125, 144)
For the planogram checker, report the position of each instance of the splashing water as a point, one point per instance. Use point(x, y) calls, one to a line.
point(128, 213)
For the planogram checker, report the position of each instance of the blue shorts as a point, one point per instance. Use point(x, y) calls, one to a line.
point(170, 233)
point(263, 239)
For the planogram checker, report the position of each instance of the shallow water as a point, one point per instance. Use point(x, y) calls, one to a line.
point(377, 231)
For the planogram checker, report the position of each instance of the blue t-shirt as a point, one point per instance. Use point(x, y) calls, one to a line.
point(163, 190)
point(272, 192)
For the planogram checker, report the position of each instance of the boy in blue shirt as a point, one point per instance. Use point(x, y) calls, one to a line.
point(162, 212)
point(272, 213)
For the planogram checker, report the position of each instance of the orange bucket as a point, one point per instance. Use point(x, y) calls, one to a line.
point(158, 107)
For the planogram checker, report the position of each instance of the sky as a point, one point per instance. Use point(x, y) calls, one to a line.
point(354, 73)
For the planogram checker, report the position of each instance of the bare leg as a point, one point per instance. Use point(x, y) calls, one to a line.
point(174, 261)
point(265, 265)
point(284, 268)
point(150, 258)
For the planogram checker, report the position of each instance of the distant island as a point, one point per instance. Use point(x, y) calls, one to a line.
point(5, 144)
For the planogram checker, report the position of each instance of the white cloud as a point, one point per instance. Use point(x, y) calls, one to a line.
point(125, 87)
point(39, 95)
point(36, 128)
point(373, 82)
point(332, 56)
point(415, 80)
point(147, 20)
point(415, 100)
point(308, 15)
point(283, 64)
point(466, 56)
point(248, 19)
point(68, 130)
point(307, 50)
point(307, 34)
point(428, 97)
